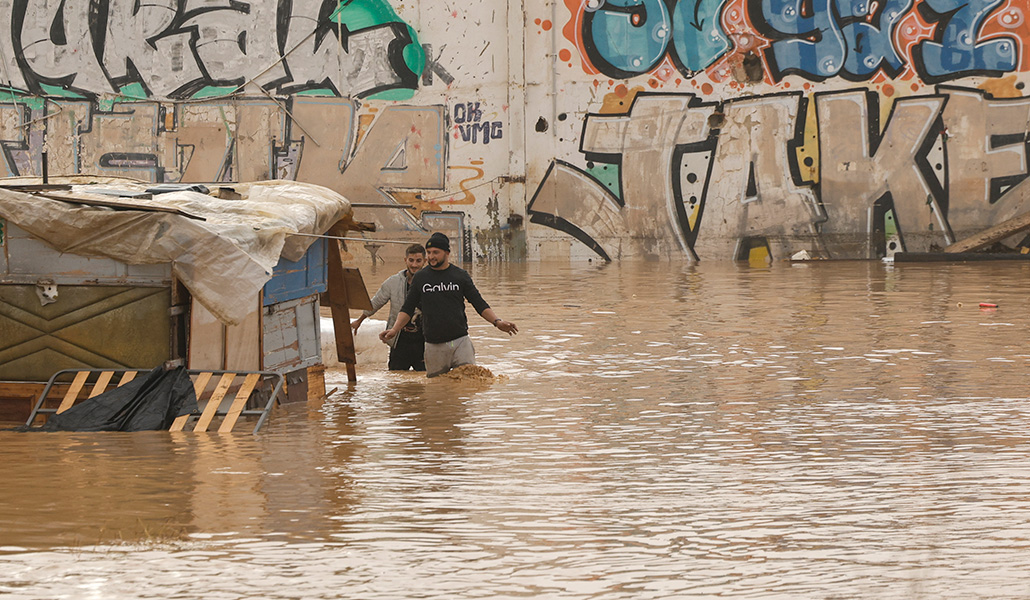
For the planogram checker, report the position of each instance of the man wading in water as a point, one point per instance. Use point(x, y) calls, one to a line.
point(440, 291)
point(407, 348)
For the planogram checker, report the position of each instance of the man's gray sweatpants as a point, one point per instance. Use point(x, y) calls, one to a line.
point(441, 358)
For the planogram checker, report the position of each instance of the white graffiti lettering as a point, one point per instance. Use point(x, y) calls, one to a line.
point(174, 48)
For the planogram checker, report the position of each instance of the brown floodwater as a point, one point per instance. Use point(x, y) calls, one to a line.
point(823, 430)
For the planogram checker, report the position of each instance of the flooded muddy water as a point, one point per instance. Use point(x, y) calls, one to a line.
point(824, 430)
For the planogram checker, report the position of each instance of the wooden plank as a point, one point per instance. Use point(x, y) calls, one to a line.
point(214, 402)
point(341, 311)
point(239, 403)
point(937, 257)
point(199, 385)
point(101, 384)
point(93, 200)
point(990, 236)
point(46, 187)
point(17, 399)
point(73, 391)
point(242, 349)
point(207, 339)
point(357, 293)
point(127, 377)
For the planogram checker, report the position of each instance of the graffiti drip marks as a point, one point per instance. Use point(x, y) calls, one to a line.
point(716, 181)
point(175, 48)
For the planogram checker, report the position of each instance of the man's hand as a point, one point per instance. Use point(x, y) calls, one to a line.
point(386, 335)
point(356, 323)
point(507, 327)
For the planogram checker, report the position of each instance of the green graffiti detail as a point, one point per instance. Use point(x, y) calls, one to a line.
point(607, 174)
point(214, 91)
point(890, 226)
point(60, 92)
point(15, 96)
point(362, 14)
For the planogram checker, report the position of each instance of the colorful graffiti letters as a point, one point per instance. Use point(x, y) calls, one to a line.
point(814, 39)
point(698, 38)
point(624, 38)
point(849, 38)
point(955, 51)
point(795, 53)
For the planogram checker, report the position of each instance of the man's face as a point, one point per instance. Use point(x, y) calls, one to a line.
point(414, 262)
point(436, 257)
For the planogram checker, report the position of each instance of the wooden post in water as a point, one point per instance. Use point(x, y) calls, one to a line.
point(340, 307)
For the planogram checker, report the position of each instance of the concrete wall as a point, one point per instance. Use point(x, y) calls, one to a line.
point(711, 129)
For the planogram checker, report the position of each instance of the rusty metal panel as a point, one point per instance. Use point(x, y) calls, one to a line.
point(28, 259)
point(292, 336)
point(86, 327)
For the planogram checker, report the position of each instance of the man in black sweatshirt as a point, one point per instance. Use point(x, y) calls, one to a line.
point(440, 291)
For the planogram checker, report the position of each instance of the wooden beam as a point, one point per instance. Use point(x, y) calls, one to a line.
point(338, 303)
point(119, 204)
point(990, 236)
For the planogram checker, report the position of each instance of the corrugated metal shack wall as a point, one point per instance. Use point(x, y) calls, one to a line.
point(714, 129)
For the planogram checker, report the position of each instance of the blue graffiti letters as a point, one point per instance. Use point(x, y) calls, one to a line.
point(855, 39)
point(955, 53)
point(627, 37)
point(810, 44)
point(698, 38)
point(869, 47)
point(624, 38)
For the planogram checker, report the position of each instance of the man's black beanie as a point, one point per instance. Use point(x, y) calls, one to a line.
point(439, 240)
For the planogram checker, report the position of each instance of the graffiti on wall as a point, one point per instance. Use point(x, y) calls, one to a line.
point(856, 40)
point(471, 127)
point(181, 48)
point(219, 90)
point(315, 139)
point(718, 180)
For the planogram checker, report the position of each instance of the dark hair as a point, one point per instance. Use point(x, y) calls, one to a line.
point(415, 249)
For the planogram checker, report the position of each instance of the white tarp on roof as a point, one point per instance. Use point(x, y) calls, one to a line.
point(223, 260)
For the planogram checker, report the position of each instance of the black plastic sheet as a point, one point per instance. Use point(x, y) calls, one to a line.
point(145, 403)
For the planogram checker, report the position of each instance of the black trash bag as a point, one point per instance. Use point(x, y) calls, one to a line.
point(145, 403)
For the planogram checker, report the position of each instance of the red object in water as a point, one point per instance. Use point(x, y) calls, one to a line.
point(988, 305)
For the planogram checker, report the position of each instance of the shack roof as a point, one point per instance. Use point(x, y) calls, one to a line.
point(223, 249)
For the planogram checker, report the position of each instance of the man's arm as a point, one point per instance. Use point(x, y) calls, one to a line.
point(378, 301)
point(505, 326)
point(411, 302)
point(403, 319)
point(476, 300)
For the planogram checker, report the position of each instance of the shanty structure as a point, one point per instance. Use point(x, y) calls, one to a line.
point(111, 273)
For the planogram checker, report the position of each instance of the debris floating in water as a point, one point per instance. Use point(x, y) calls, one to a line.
point(470, 373)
